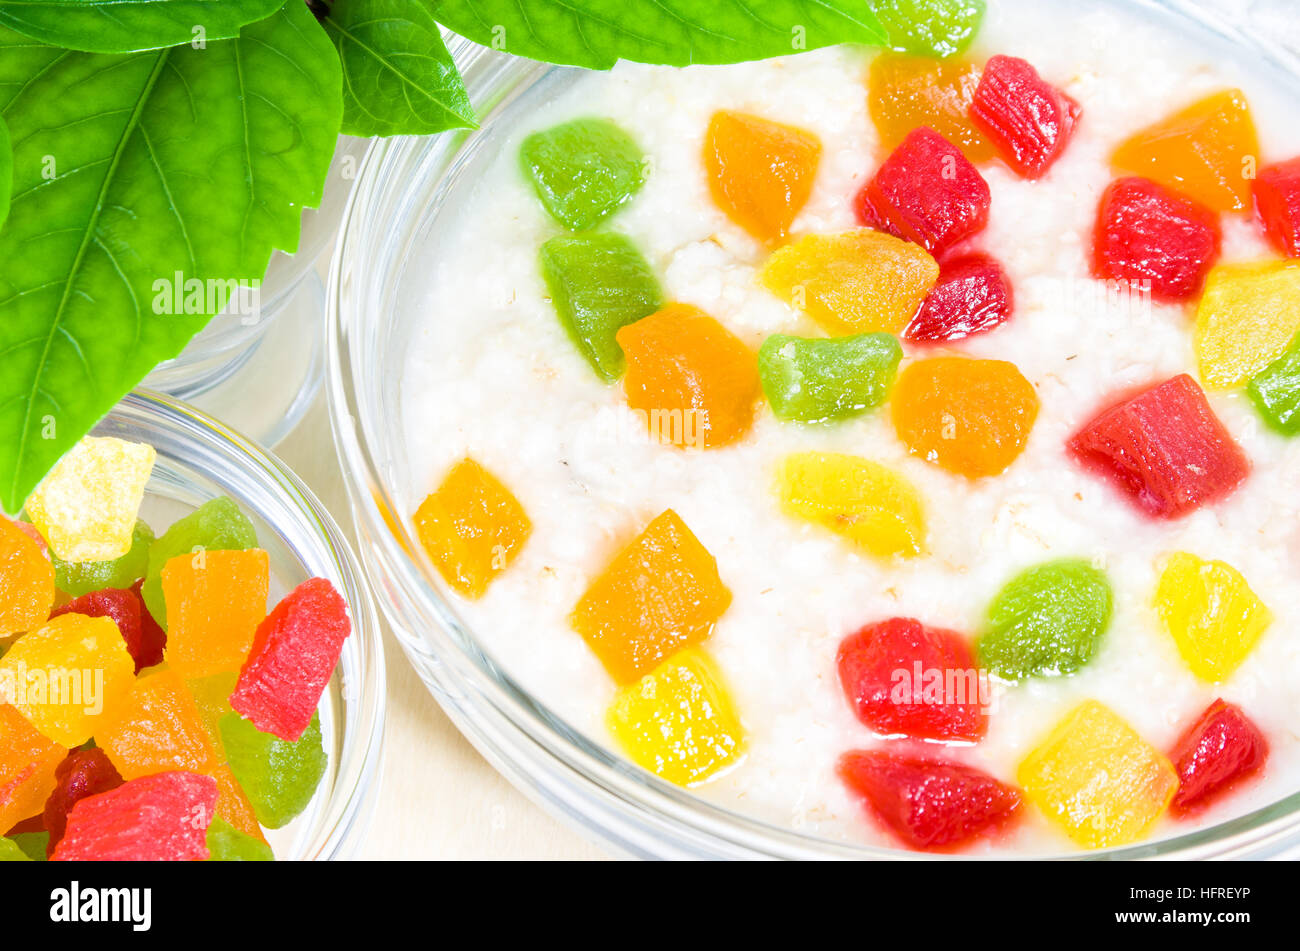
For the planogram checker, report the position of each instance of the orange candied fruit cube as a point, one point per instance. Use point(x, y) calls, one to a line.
point(905, 92)
point(26, 581)
point(28, 760)
point(695, 382)
point(157, 727)
point(68, 675)
point(760, 172)
point(659, 595)
point(472, 527)
point(215, 600)
point(861, 281)
point(1209, 151)
point(971, 417)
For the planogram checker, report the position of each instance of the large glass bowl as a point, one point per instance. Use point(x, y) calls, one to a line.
point(404, 187)
point(199, 459)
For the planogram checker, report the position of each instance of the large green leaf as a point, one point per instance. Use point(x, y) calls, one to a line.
point(125, 26)
point(131, 170)
point(598, 33)
point(398, 78)
point(6, 172)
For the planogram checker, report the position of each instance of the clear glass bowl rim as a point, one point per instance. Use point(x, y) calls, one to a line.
point(555, 765)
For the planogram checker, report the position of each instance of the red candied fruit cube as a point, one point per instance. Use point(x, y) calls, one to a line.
point(929, 803)
point(293, 656)
point(1027, 118)
point(1217, 751)
point(1165, 448)
point(1147, 232)
point(905, 678)
point(927, 192)
point(159, 818)
point(126, 609)
point(1277, 203)
point(153, 639)
point(84, 773)
point(972, 296)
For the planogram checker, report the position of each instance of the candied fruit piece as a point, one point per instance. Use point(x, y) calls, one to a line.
point(657, 596)
point(861, 281)
point(32, 844)
point(1208, 151)
point(599, 283)
point(693, 380)
point(28, 764)
point(973, 296)
point(279, 777)
point(215, 600)
point(1165, 448)
point(216, 525)
point(86, 507)
point(1048, 620)
point(932, 27)
point(228, 844)
point(815, 380)
point(84, 773)
point(1145, 232)
point(26, 581)
point(1028, 119)
point(1211, 613)
point(1247, 318)
point(10, 851)
point(926, 192)
point(929, 803)
point(583, 171)
point(865, 502)
point(158, 818)
point(82, 577)
point(1275, 391)
point(922, 705)
point(123, 606)
point(678, 721)
point(1277, 205)
point(153, 639)
point(1097, 779)
point(472, 527)
point(1215, 753)
point(907, 92)
point(156, 728)
point(971, 417)
point(292, 660)
point(760, 172)
point(68, 675)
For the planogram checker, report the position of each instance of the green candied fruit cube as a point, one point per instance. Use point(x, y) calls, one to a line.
point(35, 845)
point(82, 577)
point(228, 844)
point(929, 27)
point(583, 171)
point(11, 851)
point(278, 777)
point(1275, 391)
point(1048, 620)
point(216, 525)
point(599, 283)
point(817, 380)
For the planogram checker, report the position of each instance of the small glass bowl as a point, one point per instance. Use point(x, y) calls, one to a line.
point(404, 188)
point(199, 459)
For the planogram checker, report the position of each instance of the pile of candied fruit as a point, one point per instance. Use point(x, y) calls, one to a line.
point(913, 276)
point(150, 707)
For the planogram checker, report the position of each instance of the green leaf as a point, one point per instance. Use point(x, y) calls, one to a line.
point(598, 33)
point(398, 78)
point(131, 170)
point(6, 172)
point(126, 26)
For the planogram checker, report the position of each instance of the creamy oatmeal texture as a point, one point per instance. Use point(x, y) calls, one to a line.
point(492, 374)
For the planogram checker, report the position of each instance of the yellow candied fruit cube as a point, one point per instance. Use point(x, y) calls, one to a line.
point(87, 506)
point(1097, 779)
point(65, 676)
point(658, 595)
point(678, 721)
point(1211, 613)
point(867, 503)
point(861, 281)
point(472, 528)
point(1247, 317)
